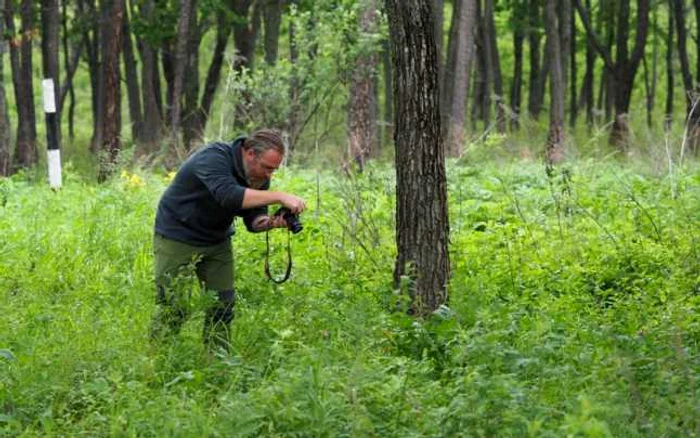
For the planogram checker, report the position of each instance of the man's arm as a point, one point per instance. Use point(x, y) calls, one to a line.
point(259, 198)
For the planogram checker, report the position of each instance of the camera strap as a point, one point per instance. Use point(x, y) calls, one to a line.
point(267, 260)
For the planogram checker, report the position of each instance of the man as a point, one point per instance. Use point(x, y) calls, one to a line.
point(193, 226)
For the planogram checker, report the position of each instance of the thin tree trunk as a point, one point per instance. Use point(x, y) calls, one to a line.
point(691, 90)
point(534, 102)
point(133, 90)
point(272, 21)
point(387, 126)
point(495, 67)
point(362, 139)
point(21, 64)
point(517, 84)
point(150, 86)
point(5, 127)
point(554, 151)
point(573, 68)
point(201, 117)
point(110, 108)
point(457, 80)
point(187, 8)
point(670, 71)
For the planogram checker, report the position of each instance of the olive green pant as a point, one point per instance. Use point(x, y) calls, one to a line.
point(175, 264)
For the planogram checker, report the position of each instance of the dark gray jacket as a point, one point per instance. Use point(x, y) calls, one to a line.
point(199, 206)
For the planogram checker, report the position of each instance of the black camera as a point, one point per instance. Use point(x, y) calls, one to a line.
point(293, 222)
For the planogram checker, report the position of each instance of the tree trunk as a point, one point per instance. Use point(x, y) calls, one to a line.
point(670, 71)
point(5, 128)
point(362, 139)
point(133, 91)
point(21, 64)
point(201, 117)
point(110, 105)
point(495, 67)
point(192, 129)
point(388, 119)
point(71, 65)
point(481, 108)
point(554, 151)
point(456, 90)
point(91, 40)
point(439, 40)
point(517, 84)
point(244, 35)
point(150, 86)
point(573, 68)
point(534, 105)
point(691, 90)
point(625, 66)
point(422, 224)
point(187, 9)
point(272, 20)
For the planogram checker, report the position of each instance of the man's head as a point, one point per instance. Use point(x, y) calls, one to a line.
point(263, 152)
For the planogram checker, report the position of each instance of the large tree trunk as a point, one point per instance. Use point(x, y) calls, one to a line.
point(5, 128)
point(456, 88)
point(110, 101)
point(21, 63)
point(421, 189)
point(133, 91)
point(439, 9)
point(272, 19)
point(587, 100)
point(362, 139)
point(554, 151)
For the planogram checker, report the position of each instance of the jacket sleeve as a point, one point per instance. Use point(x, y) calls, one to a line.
point(213, 168)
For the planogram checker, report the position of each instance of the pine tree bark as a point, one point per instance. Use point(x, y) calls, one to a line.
point(421, 212)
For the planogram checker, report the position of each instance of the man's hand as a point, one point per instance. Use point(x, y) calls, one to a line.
point(293, 203)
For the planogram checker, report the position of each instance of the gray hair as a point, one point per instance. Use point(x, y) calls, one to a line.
point(263, 140)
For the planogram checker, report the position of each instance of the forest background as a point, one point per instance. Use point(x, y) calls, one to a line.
point(570, 134)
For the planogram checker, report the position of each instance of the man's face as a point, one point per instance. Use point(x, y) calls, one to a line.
point(259, 168)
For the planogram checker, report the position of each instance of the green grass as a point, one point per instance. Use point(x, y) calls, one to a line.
point(573, 312)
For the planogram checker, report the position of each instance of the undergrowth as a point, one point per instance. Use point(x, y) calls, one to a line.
point(573, 311)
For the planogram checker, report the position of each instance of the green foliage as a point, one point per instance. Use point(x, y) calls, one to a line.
point(573, 312)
